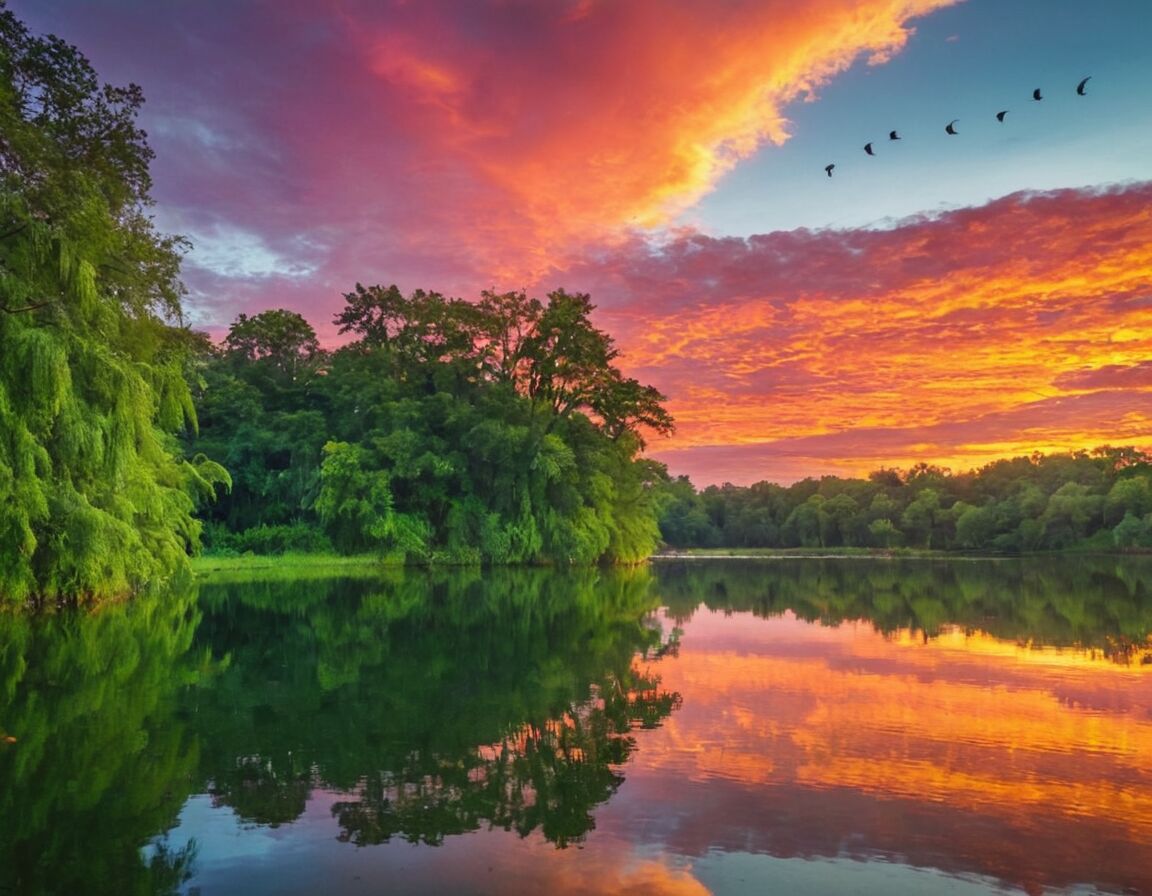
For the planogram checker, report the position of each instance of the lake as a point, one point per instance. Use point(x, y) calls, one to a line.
point(886, 726)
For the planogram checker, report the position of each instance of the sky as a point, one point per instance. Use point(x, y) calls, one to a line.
point(951, 299)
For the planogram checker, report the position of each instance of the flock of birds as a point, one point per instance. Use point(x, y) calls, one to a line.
point(950, 128)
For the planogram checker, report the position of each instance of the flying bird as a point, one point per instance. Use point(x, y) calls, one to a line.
point(1000, 116)
point(1036, 94)
point(892, 135)
point(951, 129)
point(1080, 86)
point(868, 149)
point(829, 168)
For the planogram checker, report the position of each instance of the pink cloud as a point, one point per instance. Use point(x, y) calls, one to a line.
point(457, 145)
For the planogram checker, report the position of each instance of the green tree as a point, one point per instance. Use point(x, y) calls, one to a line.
point(503, 425)
point(94, 499)
point(553, 354)
point(1132, 532)
point(1071, 510)
point(277, 345)
point(683, 520)
point(356, 503)
point(975, 526)
point(844, 521)
point(263, 413)
point(1130, 495)
point(498, 431)
point(884, 532)
point(808, 524)
point(921, 517)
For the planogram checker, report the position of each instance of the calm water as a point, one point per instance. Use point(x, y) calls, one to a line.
point(798, 726)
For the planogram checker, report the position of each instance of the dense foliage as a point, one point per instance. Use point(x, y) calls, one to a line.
point(496, 431)
point(1099, 499)
point(94, 500)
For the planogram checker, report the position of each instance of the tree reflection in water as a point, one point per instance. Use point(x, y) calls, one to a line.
point(96, 758)
point(438, 702)
point(427, 704)
point(1095, 603)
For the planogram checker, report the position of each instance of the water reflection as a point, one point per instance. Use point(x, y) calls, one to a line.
point(1024, 761)
point(437, 703)
point(1101, 604)
point(95, 757)
point(875, 726)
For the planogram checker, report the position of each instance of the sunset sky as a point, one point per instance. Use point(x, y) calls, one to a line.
point(952, 299)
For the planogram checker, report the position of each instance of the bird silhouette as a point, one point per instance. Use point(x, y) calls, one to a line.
point(1080, 86)
point(892, 135)
point(1000, 116)
point(1036, 95)
point(868, 149)
point(951, 126)
point(829, 168)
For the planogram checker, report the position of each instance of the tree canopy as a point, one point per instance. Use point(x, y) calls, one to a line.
point(494, 431)
point(94, 498)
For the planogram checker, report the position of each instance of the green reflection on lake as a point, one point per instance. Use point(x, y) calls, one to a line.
point(437, 701)
point(430, 704)
point(1102, 603)
point(96, 757)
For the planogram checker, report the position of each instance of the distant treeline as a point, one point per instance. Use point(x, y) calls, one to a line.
point(1099, 499)
point(496, 431)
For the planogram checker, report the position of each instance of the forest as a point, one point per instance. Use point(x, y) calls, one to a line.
point(496, 431)
point(1089, 500)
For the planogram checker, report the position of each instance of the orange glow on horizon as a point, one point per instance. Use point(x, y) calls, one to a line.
point(1039, 302)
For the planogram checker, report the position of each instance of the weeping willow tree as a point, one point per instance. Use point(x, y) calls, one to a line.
point(94, 499)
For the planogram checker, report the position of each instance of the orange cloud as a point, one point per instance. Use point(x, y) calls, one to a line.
point(1018, 326)
point(560, 121)
point(458, 146)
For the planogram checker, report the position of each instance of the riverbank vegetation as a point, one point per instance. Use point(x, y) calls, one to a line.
point(95, 498)
point(497, 431)
point(1083, 500)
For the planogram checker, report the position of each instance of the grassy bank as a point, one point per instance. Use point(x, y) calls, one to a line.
point(293, 565)
point(800, 552)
